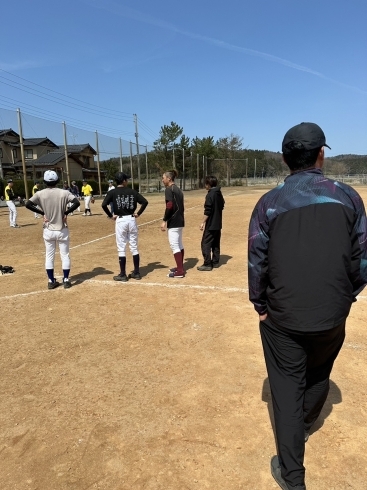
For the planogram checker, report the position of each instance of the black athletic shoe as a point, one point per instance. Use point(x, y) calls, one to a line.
point(135, 275)
point(277, 475)
point(204, 268)
point(216, 265)
point(120, 278)
point(307, 435)
point(67, 284)
point(53, 285)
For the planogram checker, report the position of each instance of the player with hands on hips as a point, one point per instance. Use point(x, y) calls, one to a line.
point(174, 221)
point(52, 204)
point(125, 201)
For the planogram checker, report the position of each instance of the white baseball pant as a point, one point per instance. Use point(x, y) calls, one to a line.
point(12, 213)
point(60, 237)
point(175, 239)
point(86, 202)
point(126, 232)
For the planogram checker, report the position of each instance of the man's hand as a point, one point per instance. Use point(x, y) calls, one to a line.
point(163, 226)
point(263, 317)
point(202, 226)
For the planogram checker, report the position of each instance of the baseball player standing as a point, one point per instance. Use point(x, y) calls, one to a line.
point(10, 198)
point(125, 201)
point(87, 192)
point(74, 189)
point(211, 224)
point(110, 188)
point(34, 190)
point(174, 221)
point(52, 204)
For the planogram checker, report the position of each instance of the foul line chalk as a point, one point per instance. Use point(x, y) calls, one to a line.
point(172, 285)
point(113, 234)
point(138, 283)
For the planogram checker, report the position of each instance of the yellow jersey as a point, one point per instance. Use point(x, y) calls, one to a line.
point(9, 193)
point(87, 190)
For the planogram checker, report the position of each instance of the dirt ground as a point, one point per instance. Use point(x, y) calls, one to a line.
point(158, 383)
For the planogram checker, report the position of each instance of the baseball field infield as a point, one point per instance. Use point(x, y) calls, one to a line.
point(158, 383)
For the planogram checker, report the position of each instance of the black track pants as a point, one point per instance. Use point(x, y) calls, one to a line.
point(299, 367)
point(210, 246)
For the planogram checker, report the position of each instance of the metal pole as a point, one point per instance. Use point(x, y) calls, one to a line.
point(191, 170)
point(120, 155)
point(246, 172)
point(146, 167)
point(183, 167)
point(1, 170)
point(66, 154)
point(255, 171)
point(131, 165)
point(137, 149)
point(98, 166)
point(203, 169)
point(173, 159)
point(22, 153)
point(197, 170)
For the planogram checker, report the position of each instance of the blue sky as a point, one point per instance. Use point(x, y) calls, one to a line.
point(252, 68)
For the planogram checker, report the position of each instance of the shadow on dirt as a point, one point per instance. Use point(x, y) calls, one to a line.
point(145, 269)
point(334, 397)
point(84, 276)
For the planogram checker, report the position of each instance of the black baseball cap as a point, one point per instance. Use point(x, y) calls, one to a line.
point(308, 136)
point(10, 180)
point(121, 177)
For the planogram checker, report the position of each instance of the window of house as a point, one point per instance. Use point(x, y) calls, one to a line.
point(29, 154)
point(14, 153)
point(1, 152)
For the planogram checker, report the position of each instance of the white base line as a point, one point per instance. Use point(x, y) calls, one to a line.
point(113, 234)
point(112, 283)
point(170, 285)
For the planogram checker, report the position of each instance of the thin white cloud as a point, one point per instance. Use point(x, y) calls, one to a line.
point(117, 9)
point(19, 65)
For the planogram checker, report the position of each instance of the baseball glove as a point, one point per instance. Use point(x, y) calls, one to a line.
point(6, 269)
point(92, 200)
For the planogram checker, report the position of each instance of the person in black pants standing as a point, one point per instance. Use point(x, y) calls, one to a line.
point(211, 224)
point(307, 262)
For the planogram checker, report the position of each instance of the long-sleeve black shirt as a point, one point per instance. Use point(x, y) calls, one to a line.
point(213, 208)
point(174, 212)
point(307, 252)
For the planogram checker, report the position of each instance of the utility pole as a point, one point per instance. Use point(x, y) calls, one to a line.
point(246, 172)
point(22, 152)
point(131, 165)
point(66, 154)
point(146, 167)
point(98, 166)
point(137, 148)
point(183, 167)
point(120, 155)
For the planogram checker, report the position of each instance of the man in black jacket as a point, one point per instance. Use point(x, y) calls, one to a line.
point(211, 224)
point(307, 258)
